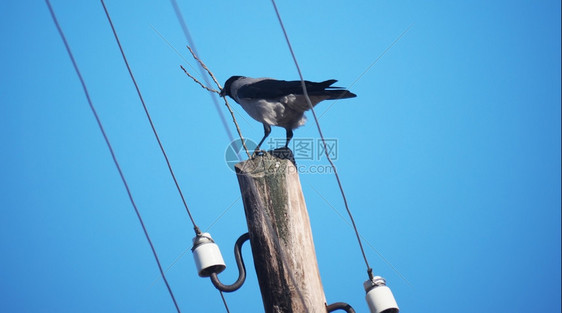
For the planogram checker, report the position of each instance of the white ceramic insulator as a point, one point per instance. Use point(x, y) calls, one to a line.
point(207, 256)
point(381, 300)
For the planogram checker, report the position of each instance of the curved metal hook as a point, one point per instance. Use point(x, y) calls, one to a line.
point(241, 268)
point(340, 306)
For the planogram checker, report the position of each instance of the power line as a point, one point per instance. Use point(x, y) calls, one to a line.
point(187, 34)
point(82, 82)
point(224, 302)
point(369, 270)
point(365, 239)
point(197, 231)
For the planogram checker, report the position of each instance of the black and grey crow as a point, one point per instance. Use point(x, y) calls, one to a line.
point(279, 102)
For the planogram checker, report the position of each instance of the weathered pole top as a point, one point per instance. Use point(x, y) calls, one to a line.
point(267, 162)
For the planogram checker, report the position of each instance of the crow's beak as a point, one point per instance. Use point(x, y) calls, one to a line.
point(223, 92)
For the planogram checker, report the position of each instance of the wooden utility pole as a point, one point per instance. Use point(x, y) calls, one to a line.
point(280, 236)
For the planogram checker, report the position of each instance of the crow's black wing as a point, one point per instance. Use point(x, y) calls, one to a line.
point(273, 89)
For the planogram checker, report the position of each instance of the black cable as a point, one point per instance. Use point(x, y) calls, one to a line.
point(241, 268)
point(197, 231)
point(340, 306)
point(224, 302)
point(187, 34)
point(369, 270)
point(66, 45)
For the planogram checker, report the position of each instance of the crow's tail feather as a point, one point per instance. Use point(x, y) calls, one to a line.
point(335, 94)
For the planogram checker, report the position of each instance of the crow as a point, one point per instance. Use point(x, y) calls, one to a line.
point(279, 102)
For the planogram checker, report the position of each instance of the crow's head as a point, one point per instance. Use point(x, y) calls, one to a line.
point(226, 89)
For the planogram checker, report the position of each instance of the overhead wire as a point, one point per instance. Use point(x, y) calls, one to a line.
point(111, 151)
point(202, 71)
point(369, 270)
point(195, 227)
point(189, 39)
point(224, 302)
point(365, 239)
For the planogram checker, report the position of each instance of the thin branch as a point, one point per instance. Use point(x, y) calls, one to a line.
point(197, 81)
point(212, 90)
point(204, 66)
point(237, 127)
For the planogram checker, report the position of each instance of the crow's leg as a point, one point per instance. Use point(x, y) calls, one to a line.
point(266, 131)
point(289, 137)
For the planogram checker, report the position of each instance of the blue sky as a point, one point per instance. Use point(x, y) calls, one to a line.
point(449, 156)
